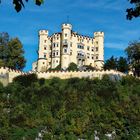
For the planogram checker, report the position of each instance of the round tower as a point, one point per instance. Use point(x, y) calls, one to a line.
point(99, 49)
point(42, 62)
point(65, 50)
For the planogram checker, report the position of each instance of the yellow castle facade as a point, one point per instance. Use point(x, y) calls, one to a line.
point(68, 46)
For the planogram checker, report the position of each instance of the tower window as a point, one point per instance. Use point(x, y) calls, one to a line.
point(65, 50)
point(45, 41)
point(43, 63)
point(65, 35)
point(96, 57)
point(45, 48)
point(96, 49)
point(88, 48)
point(88, 55)
point(56, 53)
point(44, 55)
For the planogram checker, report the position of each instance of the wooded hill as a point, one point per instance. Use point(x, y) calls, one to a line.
point(70, 109)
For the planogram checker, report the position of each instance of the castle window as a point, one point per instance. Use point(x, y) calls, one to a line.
point(65, 50)
point(56, 61)
point(88, 55)
point(45, 48)
point(56, 53)
point(80, 47)
point(92, 56)
point(88, 48)
point(44, 55)
point(96, 42)
point(71, 44)
point(96, 49)
point(71, 52)
point(65, 35)
point(92, 49)
point(45, 41)
point(43, 63)
point(96, 57)
point(53, 44)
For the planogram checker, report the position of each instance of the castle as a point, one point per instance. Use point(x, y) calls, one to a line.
point(63, 48)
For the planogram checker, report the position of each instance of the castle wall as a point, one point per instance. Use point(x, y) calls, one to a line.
point(78, 74)
point(7, 75)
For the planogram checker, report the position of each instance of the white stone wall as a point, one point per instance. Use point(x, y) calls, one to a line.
point(78, 74)
point(7, 75)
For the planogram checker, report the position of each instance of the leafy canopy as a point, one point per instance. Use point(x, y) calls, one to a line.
point(133, 56)
point(133, 11)
point(19, 4)
point(70, 109)
point(11, 52)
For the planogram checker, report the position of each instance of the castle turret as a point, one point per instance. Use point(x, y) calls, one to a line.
point(42, 63)
point(65, 50)
point(99, 49)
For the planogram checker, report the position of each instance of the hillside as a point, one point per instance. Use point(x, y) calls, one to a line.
point(70, 109)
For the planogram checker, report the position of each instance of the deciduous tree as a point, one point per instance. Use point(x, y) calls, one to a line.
point(133, 11)
point(133, 54)
point(11, 52)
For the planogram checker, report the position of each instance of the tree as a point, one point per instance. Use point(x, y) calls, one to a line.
point(19, 4)
point(122, 64)
point(133, 55)
point(11, 52)
point(135, 11)
point(111, 63)
point(72, 66)
point(119, 64)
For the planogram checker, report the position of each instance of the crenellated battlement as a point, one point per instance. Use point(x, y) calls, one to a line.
point(99, 34)
point(43, 32)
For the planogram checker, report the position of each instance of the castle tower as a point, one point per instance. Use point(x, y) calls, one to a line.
point(99, 49)
point(42, 63)
point(65, 50)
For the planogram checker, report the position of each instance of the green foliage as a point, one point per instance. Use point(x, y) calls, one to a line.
point(26, 80)
point(19, 4)
point(58, 68)
point(133, 11)
point(70, 109)
point(133, 54)
point(122, 65)
point(111, 63)
point(89, 67)
point(119, 64)
point(11, 52)
point(72, 67)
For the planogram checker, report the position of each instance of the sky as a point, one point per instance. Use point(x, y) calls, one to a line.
point(86, 17)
